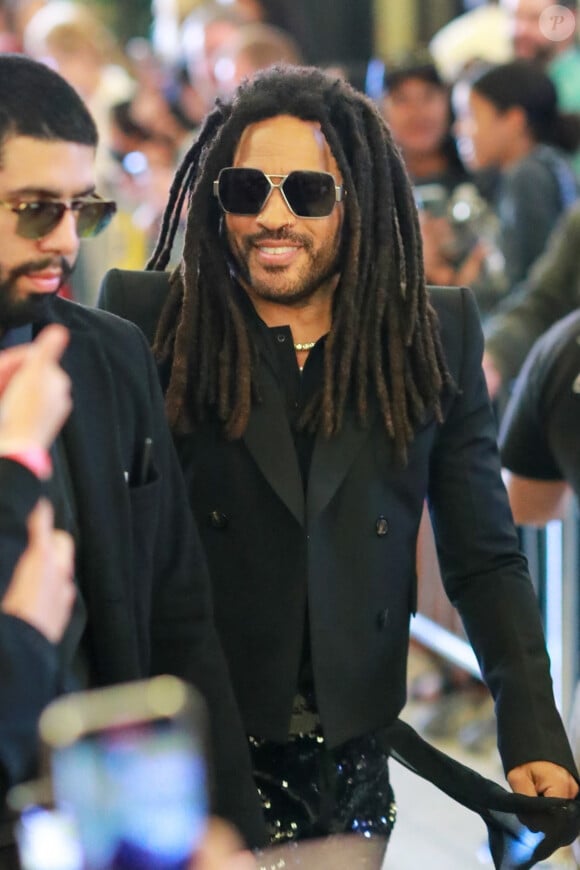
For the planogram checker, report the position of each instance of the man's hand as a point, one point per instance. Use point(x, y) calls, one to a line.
point(439, 245)
point(222, 849)
point(42, 589)
point(542, 779)
point(35, 393)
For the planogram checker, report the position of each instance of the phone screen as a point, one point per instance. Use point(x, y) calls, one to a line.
point(48, 840)
point(137, 793)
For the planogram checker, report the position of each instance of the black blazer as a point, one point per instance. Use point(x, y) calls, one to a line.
point(348, 549)
point(141, 565)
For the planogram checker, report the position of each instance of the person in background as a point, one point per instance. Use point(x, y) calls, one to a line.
point(223, 42)
point(539, 431)
point(14, 16)
point(72, 39)
point(284, 15)
point(539, 445)
point(550, 292)
point(457, 225)
point(511, 121)
point(540, 32)
point(201, 34)
point(498, 32)
point(318, 395)
point(253, 47)
point(479, 35)
point(547, 33)
point(417, 107)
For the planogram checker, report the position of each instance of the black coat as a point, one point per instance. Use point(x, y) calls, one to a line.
point(141, 566)
point(348, 549)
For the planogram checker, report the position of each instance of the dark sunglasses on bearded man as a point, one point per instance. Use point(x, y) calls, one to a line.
point(39, 218)
point(307, 194)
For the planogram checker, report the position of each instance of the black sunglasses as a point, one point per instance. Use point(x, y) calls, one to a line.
point(307, 194)
point(38, 219)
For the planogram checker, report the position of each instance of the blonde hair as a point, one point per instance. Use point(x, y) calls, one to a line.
point(66, 28)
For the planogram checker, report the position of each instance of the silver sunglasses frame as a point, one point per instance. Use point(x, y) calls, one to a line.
point(339, 192)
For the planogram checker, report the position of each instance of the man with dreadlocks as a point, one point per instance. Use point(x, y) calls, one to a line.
point(318, 395)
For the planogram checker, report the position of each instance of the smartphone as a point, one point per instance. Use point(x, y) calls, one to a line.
point(128, 767)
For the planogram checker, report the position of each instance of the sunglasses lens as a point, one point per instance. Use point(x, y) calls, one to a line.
point(243, 191)
point(93, 217)
point(310, 194)
point(37, 219)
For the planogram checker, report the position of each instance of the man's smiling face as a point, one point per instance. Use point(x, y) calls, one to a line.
point(281, 257)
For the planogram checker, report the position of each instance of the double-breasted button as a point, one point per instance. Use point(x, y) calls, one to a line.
point(218, 520)
point(382, 618)
point(382, 526)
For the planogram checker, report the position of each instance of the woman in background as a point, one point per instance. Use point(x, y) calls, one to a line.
point(457, 226)
point(511, 121)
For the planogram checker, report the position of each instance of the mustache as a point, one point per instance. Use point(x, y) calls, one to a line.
point(39, 266)
point(283, 234)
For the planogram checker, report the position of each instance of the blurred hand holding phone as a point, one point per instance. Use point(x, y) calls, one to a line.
point(129, 780)
point(460, 236)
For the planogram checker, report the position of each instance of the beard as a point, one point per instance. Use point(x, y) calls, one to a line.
point(16, 310)
point(283, 288)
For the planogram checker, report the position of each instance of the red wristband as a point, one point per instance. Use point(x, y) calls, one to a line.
point(36, 459)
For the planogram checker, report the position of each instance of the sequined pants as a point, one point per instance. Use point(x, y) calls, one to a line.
point(308, 790)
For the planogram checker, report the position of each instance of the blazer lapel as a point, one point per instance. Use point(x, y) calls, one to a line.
point(269, 440)
point(331, 460)
point(94, 453)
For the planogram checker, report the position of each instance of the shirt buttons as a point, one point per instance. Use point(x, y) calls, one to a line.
point(281, 337)
point(382, 526)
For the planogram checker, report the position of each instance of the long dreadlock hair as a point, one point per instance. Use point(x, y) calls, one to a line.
point(384, 341)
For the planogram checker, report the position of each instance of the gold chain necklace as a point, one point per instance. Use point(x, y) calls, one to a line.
point(304, 345)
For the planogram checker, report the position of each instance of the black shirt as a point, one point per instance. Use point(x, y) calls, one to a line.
point(298, 387)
